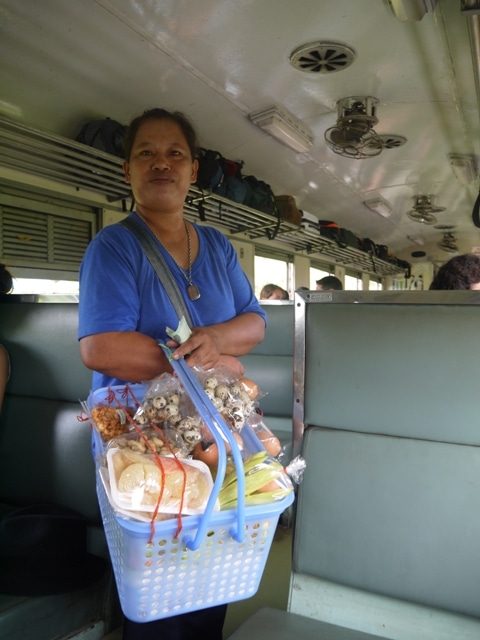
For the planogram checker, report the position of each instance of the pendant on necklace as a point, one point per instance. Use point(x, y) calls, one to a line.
point(193, 292)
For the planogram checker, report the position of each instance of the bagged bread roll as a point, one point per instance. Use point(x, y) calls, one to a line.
point(137, 480)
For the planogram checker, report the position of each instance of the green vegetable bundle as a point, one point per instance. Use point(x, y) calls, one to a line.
point(265, 482)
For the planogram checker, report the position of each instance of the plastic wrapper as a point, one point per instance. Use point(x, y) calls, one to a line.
point(143, 482)
point(166, 405)
point(111, 421)
point(295, 469)
point(234, 397)
point(111, 409)
point(150, 440)
point(268, 439)
point(265, 481)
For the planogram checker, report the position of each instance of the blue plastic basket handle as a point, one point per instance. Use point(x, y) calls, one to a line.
point(221, 433)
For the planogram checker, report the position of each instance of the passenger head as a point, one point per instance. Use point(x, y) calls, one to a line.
point(273, 292)
point(460, 272)
point(329, 283)
point(161, 114)
point(6, 280)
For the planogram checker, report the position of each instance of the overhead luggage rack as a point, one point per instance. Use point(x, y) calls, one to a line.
point(239, 219)
point(57, 158)
point(69, 162)
point(312, 243)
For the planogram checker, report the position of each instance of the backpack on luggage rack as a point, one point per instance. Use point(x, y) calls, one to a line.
point(105, 135)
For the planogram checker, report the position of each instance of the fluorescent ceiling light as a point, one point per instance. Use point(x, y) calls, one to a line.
point(417, 239)
point(464, 167)
point(380, 206)
point(285, 127)
point(410, 10)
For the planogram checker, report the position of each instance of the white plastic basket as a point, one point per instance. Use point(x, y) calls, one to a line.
point(219, 557)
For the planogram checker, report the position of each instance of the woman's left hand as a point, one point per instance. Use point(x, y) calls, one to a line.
point(203, 349)
point(216, 344)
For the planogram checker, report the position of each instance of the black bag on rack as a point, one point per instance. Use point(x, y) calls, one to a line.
point(349, 239)
point(211, 171)
point(330, 229)
point(367, 245)
point(403, 264)
point(382, 252)
point(236, 189)
point(105, 135)
point(220, 176)
point(259, 195)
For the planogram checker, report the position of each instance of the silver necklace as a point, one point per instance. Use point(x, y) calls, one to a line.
point(192, 290)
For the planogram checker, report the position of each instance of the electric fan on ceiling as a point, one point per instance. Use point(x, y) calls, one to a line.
point(448, 243)
point(424, 209)
point(353, 135)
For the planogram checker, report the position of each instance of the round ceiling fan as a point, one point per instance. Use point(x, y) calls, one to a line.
point(448, 243)
point(353, 135)
point(424, 209)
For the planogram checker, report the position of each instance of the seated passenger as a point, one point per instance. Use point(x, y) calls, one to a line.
point(273, 292)
point(460, 272)
point(329, 283)
point(6, 280)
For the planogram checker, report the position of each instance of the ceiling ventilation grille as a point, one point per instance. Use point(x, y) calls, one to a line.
point(392, 141)
point(322, 57)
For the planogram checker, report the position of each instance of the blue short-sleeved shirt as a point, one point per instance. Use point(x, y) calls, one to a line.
point(120, 291)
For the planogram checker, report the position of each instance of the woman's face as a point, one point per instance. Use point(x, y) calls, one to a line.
point(161, 169)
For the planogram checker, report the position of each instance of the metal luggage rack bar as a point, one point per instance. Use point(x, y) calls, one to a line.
point(67, 161)
point(235, 217)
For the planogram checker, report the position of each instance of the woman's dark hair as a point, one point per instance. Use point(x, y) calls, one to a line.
point(160, 114)
point(6, 280)
point(459, 272)
point(331, 283)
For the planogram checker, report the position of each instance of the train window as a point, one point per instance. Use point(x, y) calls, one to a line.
point(317, 274)
point(353, 282)
point(375, 285)
point(44, 286)
point(274, 270)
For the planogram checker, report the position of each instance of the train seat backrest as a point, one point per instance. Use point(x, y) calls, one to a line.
point(394, 476)
point(387, 521)
point(386, 534)
point(39, 428)
point(270, 365)
point(385, 544)
point(46, 457)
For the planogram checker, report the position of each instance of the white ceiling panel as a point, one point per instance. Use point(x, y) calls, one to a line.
point(67, 62)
